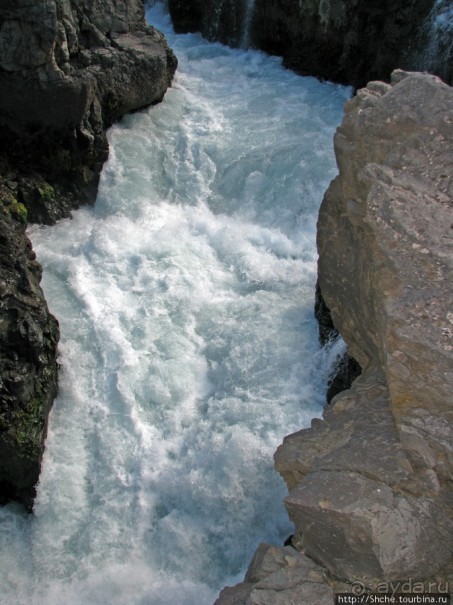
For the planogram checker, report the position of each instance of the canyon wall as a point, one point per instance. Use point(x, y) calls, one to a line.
point(28, 367)
point(345, 41)
point(68, 69)
point(370, 485)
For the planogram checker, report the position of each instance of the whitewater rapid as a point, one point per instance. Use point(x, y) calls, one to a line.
point(188, 343)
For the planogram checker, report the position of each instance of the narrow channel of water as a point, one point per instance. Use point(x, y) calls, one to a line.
point(189, 347)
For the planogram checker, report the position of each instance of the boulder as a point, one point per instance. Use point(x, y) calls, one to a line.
point(280, 576)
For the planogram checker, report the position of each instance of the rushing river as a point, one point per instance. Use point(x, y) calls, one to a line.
point(188, 347)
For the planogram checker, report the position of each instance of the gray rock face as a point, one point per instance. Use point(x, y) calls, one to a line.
point(370, 485)
point(388, 218)
point(68, 69)
point(280, 576)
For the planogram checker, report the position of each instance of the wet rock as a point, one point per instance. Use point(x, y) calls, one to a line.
point(69, 69)
point(28, 365)
point(348, 41)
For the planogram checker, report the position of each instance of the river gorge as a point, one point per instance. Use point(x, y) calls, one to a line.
point(185, 301)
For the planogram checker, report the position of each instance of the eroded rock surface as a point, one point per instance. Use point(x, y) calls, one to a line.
point(68, 69)
point(370, 485)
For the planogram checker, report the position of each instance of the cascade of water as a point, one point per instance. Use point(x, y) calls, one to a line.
point(231, 21)
point(216, 10)
point(248, 17)
point(437, 54)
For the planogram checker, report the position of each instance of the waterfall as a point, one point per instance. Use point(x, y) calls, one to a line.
point(436, 55)
point(230, 21)
point(215, 19)
point(247, 23)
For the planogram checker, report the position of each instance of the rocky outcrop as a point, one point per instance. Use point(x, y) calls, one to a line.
point(282, 576)
point(370, 485)
point(28, 366)
point(346, 41)
point(68, 69)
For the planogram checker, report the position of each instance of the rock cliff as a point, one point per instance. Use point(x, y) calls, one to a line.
point(28, 367)
point(68, 69)
point(370, 485)
point(346, 41)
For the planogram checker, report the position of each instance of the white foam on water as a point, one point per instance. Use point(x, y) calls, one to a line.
point(188, 342)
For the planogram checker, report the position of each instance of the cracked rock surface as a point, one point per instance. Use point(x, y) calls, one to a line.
point(370, 485)
point(68, 70)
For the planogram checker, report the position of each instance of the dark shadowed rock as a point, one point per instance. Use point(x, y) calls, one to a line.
point(346, 367)
point(68, 69)
point(347, 41)
point(28, 366)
